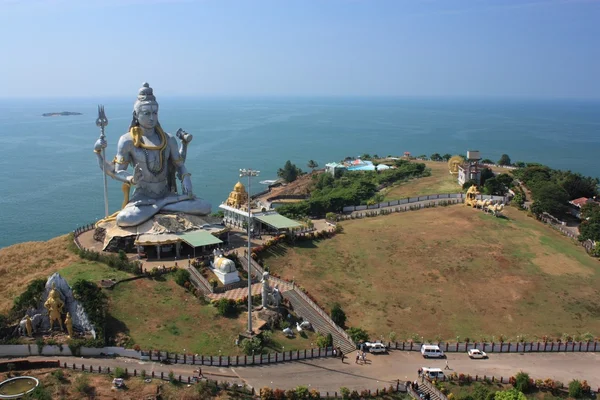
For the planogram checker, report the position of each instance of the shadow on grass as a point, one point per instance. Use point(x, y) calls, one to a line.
point(114, 327)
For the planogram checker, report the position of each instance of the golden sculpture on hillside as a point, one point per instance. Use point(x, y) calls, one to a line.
point(471, 198)
point(28, 326)
point(69, 324)
point(453, 163)
point(54, 304)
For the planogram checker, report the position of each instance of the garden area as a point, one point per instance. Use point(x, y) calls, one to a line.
point(455, 272)
point(518, 387)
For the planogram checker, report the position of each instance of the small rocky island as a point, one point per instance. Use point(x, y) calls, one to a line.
point(60, 114)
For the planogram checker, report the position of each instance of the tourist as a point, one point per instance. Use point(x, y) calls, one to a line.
point(334, 352)
point(364, 357)
point(357, 357)
point(447, 366)
point(416, 386)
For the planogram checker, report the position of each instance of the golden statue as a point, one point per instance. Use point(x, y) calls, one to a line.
point(471, 198)
point(54, 305)
point(69, 324)
point(453, 163)
point(28, 326)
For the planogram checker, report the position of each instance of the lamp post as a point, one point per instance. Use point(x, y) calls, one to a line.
point(249, 173)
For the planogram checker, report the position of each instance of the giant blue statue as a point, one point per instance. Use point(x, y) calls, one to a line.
point(157, 163)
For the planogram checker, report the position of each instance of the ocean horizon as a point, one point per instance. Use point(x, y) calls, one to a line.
point(51, 182)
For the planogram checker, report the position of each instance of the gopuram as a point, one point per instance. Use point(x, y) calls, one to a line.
point(158, 216)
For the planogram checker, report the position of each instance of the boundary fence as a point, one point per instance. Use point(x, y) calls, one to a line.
point(514, 347)
point(409, 200)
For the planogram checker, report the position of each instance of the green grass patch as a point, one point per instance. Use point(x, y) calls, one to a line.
point(91, 271)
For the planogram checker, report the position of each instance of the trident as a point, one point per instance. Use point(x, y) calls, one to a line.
point(101, 122)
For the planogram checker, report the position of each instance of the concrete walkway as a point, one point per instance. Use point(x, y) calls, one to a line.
point(329, 374)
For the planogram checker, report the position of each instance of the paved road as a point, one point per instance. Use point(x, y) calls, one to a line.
point(330, 374)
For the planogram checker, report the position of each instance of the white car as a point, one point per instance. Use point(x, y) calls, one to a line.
point(376, 347)
point(476, 353)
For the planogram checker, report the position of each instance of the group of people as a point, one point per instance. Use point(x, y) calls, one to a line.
point(361, 356)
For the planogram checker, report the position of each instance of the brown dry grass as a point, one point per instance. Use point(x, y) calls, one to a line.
point(448, 272)
point(24, 262)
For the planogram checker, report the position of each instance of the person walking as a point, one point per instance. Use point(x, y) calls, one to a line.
point(357, 357)
point(447, 366)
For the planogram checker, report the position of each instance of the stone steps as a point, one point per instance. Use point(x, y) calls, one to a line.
point(320, 324)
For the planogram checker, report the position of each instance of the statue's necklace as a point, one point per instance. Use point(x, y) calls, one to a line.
point(136, 133)
point(161, 164)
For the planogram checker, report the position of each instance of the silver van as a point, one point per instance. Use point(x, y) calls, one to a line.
point(432, 351)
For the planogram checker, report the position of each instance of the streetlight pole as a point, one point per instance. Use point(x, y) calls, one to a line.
point(249, 173)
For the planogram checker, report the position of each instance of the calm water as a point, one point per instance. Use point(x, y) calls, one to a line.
point(50, 182)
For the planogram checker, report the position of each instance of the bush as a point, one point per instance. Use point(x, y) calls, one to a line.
point(358, 334)
point(324, 340)
point(575, 389)
point(251, 346)
point(267, 337)
point(39, 393)
point(226, 307)
point(345, 392)
point(512, 394)
point(82, 384)
point(338, 315)
point(172, 377)
point(182, 276)
point(58, 374)
point(522, 382)
point(119, 373)
point(302, 393)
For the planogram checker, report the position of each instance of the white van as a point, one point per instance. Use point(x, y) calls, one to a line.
point(431, 350)
point(433, 373)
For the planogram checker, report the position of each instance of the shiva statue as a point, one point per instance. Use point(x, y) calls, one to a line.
point(155, 160)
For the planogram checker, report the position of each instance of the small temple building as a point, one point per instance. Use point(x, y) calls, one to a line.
point(470, 170)
point(263, 218)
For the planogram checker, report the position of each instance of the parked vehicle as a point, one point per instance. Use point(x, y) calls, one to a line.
point(433, 373)
point(476, 353)
point(432, 351)
point(376, 347)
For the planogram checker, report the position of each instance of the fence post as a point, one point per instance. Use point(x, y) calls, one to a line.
point(99, 369)
point(311, 352)
point(446, 347)
point(91, 369)
point(305, 354)
point(134, 372)
point(161, 376)
point(82, 367)
point(125, 371)
point(153, 374)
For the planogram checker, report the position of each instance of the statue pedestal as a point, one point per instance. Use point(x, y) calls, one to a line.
point(227, 278)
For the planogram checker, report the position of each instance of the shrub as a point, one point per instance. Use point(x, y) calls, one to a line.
point(39, 393)
point(338, 315)
point(575, 389)
point(358, 334)
point(512, 394)
point(251, 346)
point(324, 340)
point(266, 393)
point(522, 382)
point(182, 276)
point(302, 393)
point(58, 374)
point(172, 377)
point(345, 392)
point(119, 373)
point(267, 336)
point(82, 384)
point(226, 307)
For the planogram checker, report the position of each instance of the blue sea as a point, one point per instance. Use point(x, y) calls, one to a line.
point(50, 182)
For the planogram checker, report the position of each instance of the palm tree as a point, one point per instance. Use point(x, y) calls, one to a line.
point(312, 164)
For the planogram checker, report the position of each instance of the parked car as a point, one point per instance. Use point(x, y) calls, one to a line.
point(476, 353)
point(375, 347)
point(433, 373)
point(432, 351)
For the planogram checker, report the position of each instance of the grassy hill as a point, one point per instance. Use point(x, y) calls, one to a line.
point(448, 272)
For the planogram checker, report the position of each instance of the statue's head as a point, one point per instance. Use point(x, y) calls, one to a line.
point(145, 109)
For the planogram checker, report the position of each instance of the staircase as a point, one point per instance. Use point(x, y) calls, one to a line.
point(320, 323)
point(426, 387)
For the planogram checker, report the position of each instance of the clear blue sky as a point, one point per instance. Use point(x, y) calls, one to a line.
point(532, 48)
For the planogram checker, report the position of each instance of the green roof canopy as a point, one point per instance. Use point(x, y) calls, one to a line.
point(199, 238)
point(278, 221)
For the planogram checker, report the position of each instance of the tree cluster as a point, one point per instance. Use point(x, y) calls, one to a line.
point(290, 172)
point(351, 188)
point(551, 189)
point(589, 229)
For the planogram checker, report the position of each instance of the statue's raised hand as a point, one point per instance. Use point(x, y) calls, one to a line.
point(138, 174)
point(100, 145)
